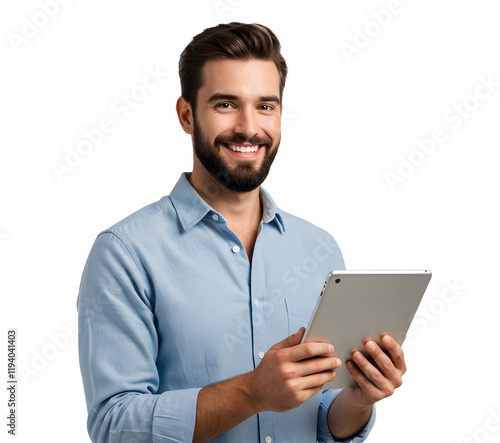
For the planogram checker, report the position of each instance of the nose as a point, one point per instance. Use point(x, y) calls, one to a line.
point(246, 122)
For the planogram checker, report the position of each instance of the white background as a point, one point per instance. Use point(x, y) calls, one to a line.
point(349, 121)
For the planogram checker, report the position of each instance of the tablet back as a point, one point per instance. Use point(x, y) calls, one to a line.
point(356, 306)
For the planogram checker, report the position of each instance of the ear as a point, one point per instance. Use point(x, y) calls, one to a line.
point(185, 114)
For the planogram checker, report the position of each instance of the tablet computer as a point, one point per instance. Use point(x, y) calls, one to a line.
point(357, 306)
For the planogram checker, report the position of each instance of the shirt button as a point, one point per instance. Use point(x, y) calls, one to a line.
point(215, 217)
point(236, 249)
point(256, 302)
point(261, 354)
point(268, 439)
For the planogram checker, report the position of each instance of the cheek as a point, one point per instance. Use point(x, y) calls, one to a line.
point(218, 124)
point(272, 126)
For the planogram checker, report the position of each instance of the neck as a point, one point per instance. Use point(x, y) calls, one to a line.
point(240, 209)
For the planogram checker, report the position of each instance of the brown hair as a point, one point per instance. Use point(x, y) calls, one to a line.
point(240, 41)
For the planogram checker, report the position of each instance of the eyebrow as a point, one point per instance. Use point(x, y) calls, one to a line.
point(220, 96)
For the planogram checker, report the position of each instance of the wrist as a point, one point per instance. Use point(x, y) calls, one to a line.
point(347, 417)
point(250, 393)
point(348, 395)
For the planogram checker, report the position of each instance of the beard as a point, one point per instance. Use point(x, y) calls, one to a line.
point(244, 177)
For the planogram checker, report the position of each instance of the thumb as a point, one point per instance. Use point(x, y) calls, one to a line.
point(291, 340)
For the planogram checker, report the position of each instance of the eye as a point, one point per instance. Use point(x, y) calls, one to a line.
point(266, 107)
point(224, 105)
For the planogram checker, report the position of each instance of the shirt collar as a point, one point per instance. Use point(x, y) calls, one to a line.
point(191, 208)
point(270, 211)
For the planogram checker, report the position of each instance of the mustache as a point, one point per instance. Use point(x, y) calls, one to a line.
point(240, 138)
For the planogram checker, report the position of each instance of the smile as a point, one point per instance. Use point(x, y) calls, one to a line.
point(242, 148)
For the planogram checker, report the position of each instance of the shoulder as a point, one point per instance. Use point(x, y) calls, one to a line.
point(297, 225)
point(147, 221)
point(312, 240)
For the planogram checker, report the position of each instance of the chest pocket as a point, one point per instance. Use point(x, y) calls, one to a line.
point(298, 312)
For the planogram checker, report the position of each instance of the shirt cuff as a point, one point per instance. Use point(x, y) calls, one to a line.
point(324, 434)
point(174, 416)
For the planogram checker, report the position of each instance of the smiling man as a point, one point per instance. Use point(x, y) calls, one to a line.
point(189, 326)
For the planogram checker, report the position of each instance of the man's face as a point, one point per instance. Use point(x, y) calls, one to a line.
point(237, 124)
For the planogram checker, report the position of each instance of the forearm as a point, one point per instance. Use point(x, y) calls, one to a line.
point(346, 419)
point(222, 406)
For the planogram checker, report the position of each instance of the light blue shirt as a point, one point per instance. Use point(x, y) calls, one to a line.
point(169, 303)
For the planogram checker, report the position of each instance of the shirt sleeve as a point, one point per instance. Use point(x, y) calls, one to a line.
point(324, 434)
point(118, 347)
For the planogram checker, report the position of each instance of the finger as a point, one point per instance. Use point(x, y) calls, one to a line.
point(317, 364)
point(307, 393)
point(371, 372)
point(397, 354)
point(372, 392)
point(309, 350)
point(291, 340)
point(316, 381)
point(383, 361)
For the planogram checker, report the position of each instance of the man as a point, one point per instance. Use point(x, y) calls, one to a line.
point(191, 309)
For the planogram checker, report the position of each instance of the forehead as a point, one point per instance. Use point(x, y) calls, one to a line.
point(244, 78)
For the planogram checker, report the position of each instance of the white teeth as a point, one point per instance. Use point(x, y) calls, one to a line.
point(244, 148)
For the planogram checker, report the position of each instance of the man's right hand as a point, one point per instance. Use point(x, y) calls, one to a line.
point(290, 373)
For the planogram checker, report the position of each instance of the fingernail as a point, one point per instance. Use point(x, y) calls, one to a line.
point(339, 362)
point(370, 346)
point(349, 365)
point(357, 356)
point(386, 340)
point(330, 349)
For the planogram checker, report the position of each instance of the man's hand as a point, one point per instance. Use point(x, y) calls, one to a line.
point(380, 381)
point(351, 410)
point(290, 373)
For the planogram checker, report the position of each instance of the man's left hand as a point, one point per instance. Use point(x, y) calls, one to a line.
point(376, 382)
